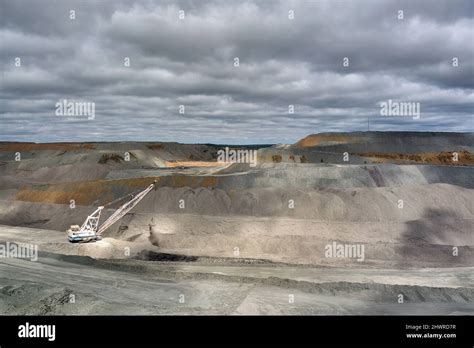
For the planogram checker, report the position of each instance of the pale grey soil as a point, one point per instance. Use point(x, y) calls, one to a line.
point(237, 247)
point(211, 285)
point(139, 287)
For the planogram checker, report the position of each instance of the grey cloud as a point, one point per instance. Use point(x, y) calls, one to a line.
point(190, 62)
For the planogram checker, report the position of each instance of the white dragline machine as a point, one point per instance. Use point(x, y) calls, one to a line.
point(90, 229)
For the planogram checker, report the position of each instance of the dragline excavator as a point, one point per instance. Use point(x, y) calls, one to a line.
point(90, 229)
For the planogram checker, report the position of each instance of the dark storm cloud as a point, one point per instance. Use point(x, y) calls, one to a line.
point(190, 62)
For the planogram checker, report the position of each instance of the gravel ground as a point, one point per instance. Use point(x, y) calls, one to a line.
point(248, 240)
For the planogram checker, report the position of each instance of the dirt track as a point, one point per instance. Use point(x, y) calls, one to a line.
point(141, 287)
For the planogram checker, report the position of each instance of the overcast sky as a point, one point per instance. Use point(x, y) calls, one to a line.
point(190, 62)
